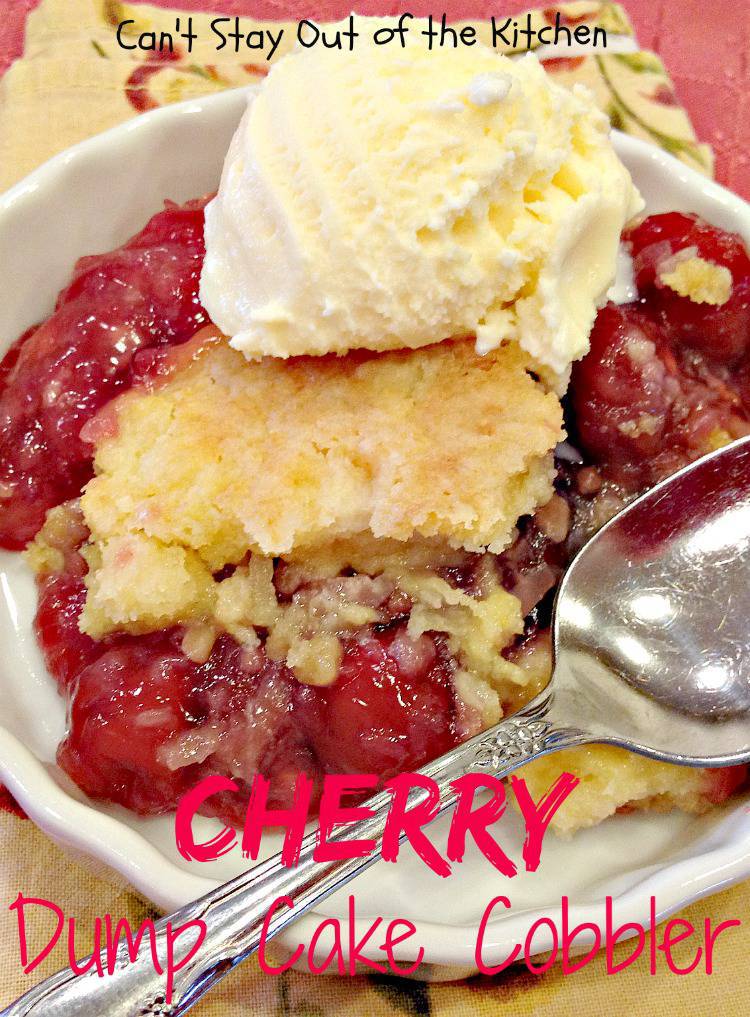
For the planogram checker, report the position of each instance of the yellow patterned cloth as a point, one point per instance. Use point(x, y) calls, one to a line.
point(73, 81)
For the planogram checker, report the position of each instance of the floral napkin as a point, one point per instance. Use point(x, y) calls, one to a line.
point(74, 80)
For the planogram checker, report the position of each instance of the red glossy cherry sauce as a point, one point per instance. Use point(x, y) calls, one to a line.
point(390, 710)
point(142, 295)
point(721, 332)
point(146, 722)
point(663, 377)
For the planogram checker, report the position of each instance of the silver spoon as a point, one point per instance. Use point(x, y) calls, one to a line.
point(652, 653)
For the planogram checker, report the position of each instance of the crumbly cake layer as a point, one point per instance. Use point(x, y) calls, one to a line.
point(302, 613)
point(225, 457)
point(613, 780)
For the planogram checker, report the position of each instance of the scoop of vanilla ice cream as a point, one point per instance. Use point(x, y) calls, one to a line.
point(390, 198)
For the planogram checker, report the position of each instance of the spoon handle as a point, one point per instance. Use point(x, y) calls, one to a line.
point(234, 913)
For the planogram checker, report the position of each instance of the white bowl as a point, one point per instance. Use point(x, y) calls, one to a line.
point(91, 198)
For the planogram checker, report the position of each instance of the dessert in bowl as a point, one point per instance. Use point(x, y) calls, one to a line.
point(339, 555)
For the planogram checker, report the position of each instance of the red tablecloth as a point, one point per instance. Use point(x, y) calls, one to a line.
point(708, 59)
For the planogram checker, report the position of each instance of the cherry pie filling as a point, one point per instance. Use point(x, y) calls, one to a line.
point(666, 380)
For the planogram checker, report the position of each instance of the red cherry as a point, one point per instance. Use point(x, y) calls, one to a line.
point(622, 390)
point(126, 705)
point(143, 294)
point(719, 332)
point(376, 718)
point(66, 649)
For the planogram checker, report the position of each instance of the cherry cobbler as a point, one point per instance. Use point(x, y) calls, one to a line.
point(337, 564)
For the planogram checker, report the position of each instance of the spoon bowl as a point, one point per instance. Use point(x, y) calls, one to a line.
point(651, 641)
